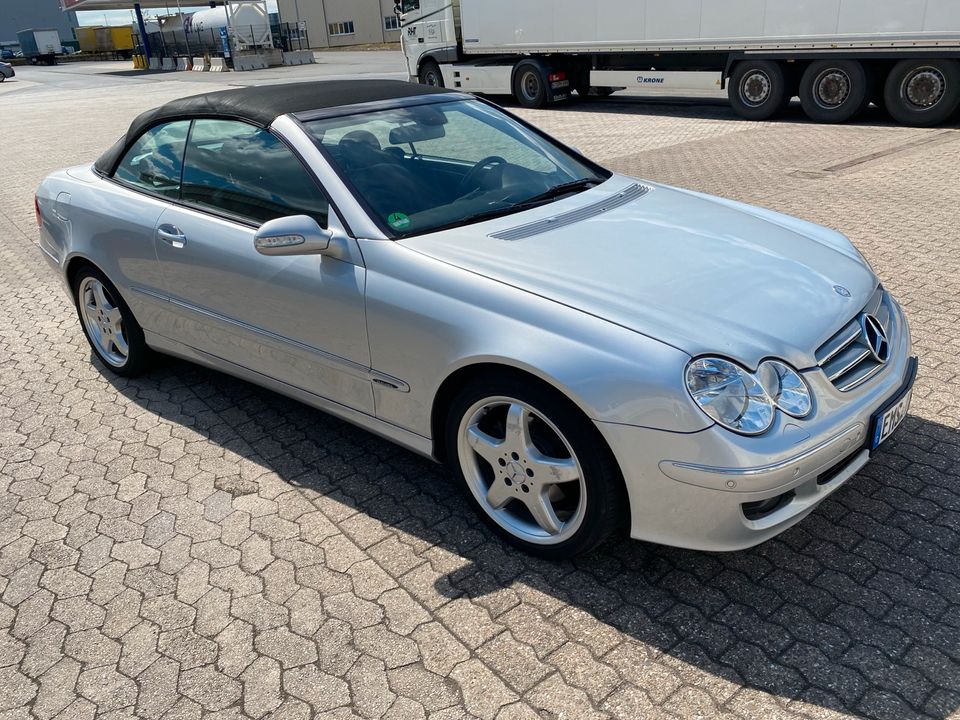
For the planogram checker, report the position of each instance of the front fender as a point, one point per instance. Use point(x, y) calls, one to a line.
point(428, 320)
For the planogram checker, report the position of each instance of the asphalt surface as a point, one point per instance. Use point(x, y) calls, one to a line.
point(186, 544)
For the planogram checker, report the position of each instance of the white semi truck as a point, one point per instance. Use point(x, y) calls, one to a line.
point(838, 56)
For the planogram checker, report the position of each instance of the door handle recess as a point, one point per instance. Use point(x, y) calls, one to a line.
point(171, 235)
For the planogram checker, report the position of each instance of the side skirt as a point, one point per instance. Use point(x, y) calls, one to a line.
point(411, 441)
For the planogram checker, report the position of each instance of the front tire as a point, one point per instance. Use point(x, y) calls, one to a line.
point(758, 89)
point(430, 74)
point(115, 336)
point(534, 467)
point(530, 85)
point(834, 91)
point(923, 93)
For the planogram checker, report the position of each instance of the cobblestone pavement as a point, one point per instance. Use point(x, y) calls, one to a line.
point(187, 545)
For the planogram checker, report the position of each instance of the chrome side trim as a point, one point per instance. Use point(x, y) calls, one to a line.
point(353, 368)
point(790, 468)
point(410, 440)
point(627, 195)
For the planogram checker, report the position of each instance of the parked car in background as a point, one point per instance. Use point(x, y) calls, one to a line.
point(6, 71)
point(588, 351)
point(7, 54)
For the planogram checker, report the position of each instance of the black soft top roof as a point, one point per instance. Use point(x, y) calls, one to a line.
point(262, 104)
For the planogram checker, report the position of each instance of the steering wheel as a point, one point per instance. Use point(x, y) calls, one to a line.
point(474, 177)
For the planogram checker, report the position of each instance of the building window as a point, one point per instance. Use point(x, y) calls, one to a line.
point(391, 22)
point(341, 28)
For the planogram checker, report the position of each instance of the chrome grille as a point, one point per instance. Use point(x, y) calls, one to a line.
point(847, 358)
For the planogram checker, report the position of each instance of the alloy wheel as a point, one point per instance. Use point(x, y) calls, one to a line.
point(522, 470)
point(103, 321)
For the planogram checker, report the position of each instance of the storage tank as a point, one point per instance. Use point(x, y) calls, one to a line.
point(213, 18)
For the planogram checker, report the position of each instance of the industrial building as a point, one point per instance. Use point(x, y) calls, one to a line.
point(336, 23)
point(16, 15)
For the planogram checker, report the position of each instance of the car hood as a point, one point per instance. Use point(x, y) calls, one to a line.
point(702, 274)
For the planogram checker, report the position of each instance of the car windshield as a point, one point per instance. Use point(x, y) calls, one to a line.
point(427, 167)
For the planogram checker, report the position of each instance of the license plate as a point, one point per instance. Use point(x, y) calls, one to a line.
point(889, 420)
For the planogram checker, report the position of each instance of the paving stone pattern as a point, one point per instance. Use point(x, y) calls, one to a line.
point(187, 545)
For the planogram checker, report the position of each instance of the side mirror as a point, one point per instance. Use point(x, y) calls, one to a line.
point(293, 235)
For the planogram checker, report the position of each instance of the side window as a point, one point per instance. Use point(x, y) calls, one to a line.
point(155, 160)
point(247, 172)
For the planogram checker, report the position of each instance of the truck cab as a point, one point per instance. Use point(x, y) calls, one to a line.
point(429, 36)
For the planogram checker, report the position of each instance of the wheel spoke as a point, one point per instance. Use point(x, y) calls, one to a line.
point(101, 297)
point(486, 446)
point(499, 494)
point(518, 428)
point(553, 471)
point(120, 342)
point(542, 510)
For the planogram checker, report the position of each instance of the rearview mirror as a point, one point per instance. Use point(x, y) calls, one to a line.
point(293, 235)
point(406, 134)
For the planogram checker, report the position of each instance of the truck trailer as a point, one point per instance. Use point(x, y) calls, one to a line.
point(838, 56)
point(106, 39)
point(40, 45)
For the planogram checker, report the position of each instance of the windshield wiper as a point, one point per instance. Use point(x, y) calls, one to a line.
point(561, 189)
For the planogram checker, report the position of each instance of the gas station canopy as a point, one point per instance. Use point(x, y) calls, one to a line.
point(121, 4)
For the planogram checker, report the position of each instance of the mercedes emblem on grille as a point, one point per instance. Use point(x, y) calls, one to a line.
point(875, 338)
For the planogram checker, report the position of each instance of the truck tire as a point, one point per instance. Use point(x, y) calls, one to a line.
point(834, 91)
point(430, 74)
point(758, 89)
point(923, 93)
point(530, 85)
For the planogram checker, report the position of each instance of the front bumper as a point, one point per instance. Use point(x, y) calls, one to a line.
point(690, 489)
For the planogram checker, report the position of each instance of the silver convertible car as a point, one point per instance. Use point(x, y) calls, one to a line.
point(589, 352)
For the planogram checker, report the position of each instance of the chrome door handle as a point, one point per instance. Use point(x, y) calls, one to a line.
point(172, 235)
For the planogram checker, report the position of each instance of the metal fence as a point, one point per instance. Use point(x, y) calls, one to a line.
point(291, 36)
point(177, 43)
point(218, 42)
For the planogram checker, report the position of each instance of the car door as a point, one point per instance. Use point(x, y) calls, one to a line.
point(296, 319)
point(120, 220)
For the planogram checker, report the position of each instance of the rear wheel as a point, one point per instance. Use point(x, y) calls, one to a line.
point(923, 93)
point(113, 333)
point(758, 89)
point(430, 74)
point(533, 467)
point(834, 91)
point(530, 85)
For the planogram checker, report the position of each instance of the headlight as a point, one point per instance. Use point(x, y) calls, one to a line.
point(785, 388)
point(730, 395)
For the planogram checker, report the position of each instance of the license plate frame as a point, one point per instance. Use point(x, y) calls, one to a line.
point(888, 418)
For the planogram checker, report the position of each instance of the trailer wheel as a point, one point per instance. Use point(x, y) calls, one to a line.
point(430, 74)
point(758, 89)
point(834, 91)
point(923, 93)
point(529, 85)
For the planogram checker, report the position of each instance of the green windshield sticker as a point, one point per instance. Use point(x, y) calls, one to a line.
point(398, 221)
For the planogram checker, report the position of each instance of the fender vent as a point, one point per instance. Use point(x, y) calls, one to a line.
point(627, 195)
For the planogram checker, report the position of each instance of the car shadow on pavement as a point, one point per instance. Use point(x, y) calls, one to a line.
point(854, 610)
